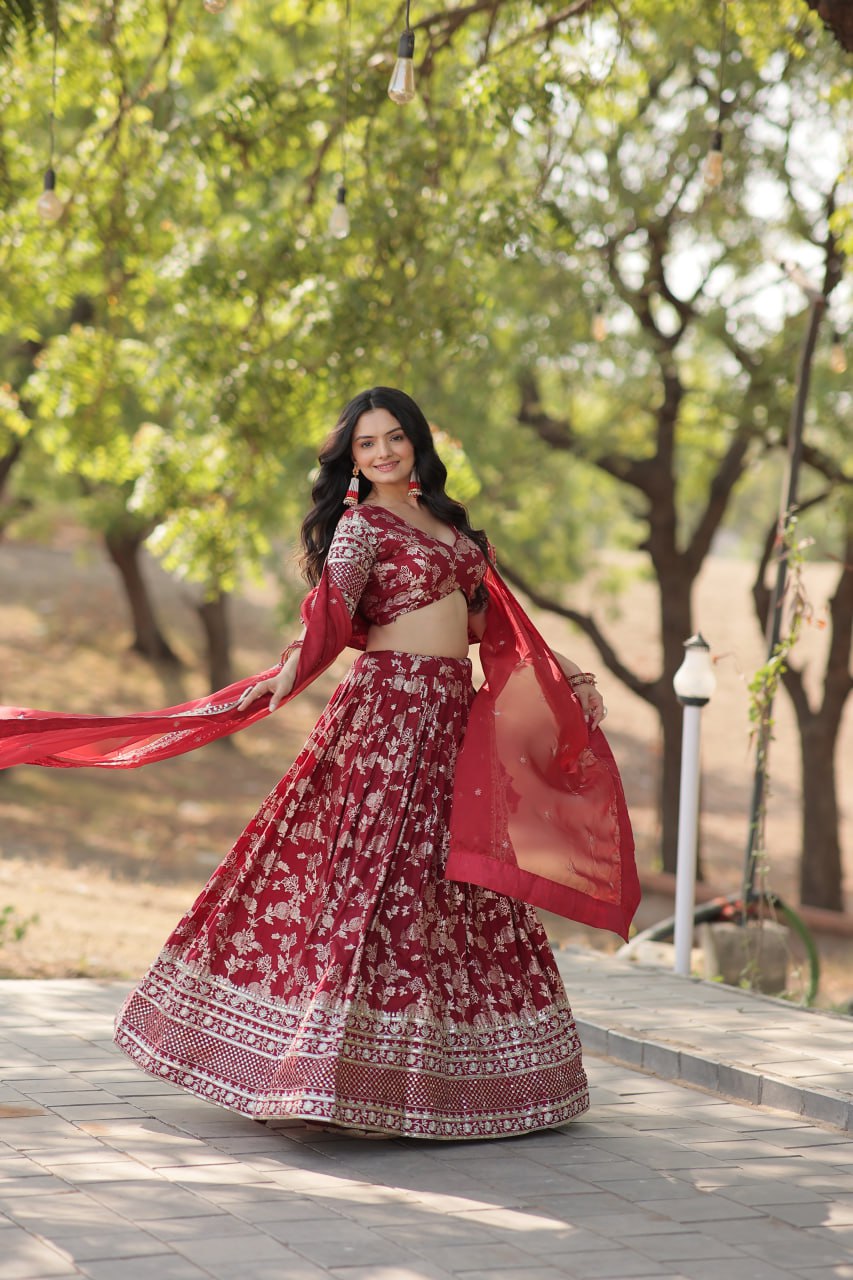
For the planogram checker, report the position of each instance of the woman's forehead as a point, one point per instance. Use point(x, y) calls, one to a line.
point(375, 422)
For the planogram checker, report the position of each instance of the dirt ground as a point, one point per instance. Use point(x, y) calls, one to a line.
point(98, 865)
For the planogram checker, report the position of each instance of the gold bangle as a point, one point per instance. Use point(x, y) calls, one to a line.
point(581, 677)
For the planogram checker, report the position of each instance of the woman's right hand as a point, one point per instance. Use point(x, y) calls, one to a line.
point(277, 686)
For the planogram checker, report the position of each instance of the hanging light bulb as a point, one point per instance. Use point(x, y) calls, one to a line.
point(713, 172)
point(339, 221)
point(837, 355)
point(214, 6)
point(599, 325)
point(50, 207)
point(402, 87)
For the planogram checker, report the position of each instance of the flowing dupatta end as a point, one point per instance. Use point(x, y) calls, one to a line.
point(63, 741)
point(538, 809)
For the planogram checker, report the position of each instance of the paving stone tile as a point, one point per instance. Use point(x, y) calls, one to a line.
point(216, 1224)
point(296, 1269)
point(705, 1207)
point(26, 1258)
point(419, 1270)
point(420, 1237)
point(651, 1188)
point(683, 1245)
point(74, 1207)
point(81, 1172)
point(524, 1223)
point(458, 1259)
point(844, 1271)
point(531, 1273)
point(733, 1269)
point(356, 1246)
point(823, 1214)
point(90, 1245)
point(158, 1267)
point(772, 1193)
point(280, 1207)
point(219, 1250)
point(608, 1264)
point(141, 1201)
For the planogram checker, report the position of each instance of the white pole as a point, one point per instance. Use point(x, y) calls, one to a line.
point(688, 826)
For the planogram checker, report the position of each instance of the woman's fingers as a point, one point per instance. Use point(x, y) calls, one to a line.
point(251, 694)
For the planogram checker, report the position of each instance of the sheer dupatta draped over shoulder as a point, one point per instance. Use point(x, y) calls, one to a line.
point(538, 807)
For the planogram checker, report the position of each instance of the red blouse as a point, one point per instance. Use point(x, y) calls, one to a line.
point(538, 809)
point(386, 567)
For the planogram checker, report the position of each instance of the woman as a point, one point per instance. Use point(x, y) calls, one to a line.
point(358, 959)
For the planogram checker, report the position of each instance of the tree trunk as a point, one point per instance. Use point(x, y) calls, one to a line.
point(217, 631)
point(123, 549)
point(820, 864)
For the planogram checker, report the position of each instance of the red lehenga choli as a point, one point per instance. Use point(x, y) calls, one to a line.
point(367, 955)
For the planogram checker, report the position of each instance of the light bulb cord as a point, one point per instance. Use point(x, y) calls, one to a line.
point(51, 120)
point(346, 41)
point(724, 33)
point(408, 11)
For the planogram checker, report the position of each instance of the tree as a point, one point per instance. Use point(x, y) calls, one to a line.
point(622, 206)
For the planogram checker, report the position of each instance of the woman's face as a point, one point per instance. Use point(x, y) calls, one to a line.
point(381, 450)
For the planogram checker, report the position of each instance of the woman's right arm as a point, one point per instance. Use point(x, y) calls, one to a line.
point(348, 564)
point(278, 686)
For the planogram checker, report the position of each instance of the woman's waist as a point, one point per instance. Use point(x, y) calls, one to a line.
point(401, 662)
point(438, 629)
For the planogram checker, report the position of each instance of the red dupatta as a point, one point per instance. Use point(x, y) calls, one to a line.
point(538, 807)
point(538, 811)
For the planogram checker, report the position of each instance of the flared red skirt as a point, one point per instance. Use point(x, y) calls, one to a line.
point(328, 970)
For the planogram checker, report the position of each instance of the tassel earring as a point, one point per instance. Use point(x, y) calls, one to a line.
point(351, 498)
point(414, 485)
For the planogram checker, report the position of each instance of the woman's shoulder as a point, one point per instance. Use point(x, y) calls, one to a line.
point(357, 522)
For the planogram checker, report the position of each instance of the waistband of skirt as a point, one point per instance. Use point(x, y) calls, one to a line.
point(396, 662)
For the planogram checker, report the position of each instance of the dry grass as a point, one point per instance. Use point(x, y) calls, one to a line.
point(109, 860)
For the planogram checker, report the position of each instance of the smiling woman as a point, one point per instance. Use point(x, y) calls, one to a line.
point(368, 954)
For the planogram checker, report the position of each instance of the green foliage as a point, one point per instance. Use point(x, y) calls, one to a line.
point(13, 928)
point(176, 347)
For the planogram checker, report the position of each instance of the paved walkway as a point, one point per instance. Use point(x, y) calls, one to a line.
point(108, 1174)
point(744, 1046)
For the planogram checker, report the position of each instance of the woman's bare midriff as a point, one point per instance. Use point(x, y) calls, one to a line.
point(439, 630)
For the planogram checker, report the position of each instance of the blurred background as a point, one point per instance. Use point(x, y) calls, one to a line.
point(589, 247)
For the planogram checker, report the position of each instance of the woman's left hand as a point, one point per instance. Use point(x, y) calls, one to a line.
point(593, 704)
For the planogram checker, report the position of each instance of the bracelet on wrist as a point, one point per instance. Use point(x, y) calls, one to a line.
point(581, 677)
point(291, 648)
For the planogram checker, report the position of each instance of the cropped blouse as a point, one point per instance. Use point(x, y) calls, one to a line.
point(385, 567)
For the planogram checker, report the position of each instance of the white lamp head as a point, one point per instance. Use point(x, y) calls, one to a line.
point(694, 681)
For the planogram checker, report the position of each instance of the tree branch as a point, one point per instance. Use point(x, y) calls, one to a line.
point(640, 473)
point(728, 473)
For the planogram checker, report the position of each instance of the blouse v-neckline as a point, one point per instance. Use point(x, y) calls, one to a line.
point(449, 546)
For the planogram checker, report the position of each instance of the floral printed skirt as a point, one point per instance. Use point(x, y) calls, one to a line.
point(328, 971)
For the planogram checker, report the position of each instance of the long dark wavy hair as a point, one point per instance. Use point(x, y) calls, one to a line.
point(336, 465)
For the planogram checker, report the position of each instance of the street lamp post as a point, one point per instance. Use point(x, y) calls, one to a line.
point(694, 682)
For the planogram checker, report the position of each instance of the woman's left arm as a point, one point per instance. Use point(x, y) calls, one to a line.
point(585, 690)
